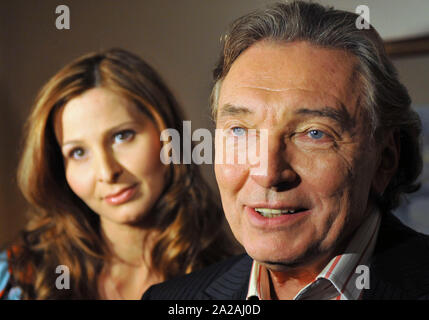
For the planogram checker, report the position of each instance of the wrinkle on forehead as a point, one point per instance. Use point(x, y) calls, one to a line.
point(299, 65)
point(313, 95)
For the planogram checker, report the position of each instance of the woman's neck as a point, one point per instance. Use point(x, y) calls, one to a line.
point(127, 273)
point(127, 244)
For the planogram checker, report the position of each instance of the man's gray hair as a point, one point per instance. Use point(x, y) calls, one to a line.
point(384, 97)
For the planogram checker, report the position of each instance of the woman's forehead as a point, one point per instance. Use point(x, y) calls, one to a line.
point(94, 110)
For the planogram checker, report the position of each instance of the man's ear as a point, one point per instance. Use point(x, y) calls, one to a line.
point(388, 161)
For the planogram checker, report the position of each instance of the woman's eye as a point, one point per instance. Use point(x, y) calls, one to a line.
point(125, 135)
point(316, 134)
point(238, 131)
point(77, 153)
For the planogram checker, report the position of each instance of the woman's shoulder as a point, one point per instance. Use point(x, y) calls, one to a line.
point(7, 290)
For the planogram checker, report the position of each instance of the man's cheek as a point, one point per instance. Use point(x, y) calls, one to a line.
point(324, 176)
point(230, 177)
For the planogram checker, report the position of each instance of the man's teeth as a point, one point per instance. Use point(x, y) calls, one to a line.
point(269, 213)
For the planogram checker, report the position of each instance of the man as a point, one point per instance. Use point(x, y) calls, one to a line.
point(342, 149)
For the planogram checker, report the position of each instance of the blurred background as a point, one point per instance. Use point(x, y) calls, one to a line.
point(181, 40)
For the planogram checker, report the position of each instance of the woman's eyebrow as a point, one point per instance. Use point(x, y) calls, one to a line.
point(72, 142)
point(107, 132)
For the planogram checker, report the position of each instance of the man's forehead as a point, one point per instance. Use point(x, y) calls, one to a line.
point(275, 67)
point(279, 56)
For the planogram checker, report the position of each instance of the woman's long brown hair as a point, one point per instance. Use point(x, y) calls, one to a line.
point(62, 230)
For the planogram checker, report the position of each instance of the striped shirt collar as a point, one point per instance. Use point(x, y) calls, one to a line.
point(338, 280)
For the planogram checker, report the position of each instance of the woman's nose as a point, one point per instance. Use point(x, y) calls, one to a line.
point(108, 168)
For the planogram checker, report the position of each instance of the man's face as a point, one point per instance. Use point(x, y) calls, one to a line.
point(321, 160)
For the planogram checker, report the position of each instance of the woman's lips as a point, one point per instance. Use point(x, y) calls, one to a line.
point(122, 196)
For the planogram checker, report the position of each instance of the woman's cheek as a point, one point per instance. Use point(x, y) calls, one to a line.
point(79, 181)
point(141, 159)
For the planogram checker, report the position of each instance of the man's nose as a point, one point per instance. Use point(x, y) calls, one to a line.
point(278, 174)
point(107, 167)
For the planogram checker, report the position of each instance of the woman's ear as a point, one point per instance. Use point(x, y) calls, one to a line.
point(388, 161)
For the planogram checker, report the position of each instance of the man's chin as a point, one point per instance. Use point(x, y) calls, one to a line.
point(284, 265)
point(287, 260)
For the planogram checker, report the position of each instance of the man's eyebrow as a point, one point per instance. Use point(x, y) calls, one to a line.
point(228, 110)
point(339, 115)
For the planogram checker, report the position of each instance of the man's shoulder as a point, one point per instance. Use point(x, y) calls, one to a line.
point(223, 280)
point(394, 236)
point(400, 265)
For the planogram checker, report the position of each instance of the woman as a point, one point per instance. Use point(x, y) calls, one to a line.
point(109, 219)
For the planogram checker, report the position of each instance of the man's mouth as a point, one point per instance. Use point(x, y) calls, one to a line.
point(272, 213)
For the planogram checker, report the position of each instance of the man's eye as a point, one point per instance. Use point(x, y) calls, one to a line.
point(122, 136)
point(314, 139)
point(316, 134)
point(238, 131)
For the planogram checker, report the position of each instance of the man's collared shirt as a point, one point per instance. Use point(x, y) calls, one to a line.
point(339, 279)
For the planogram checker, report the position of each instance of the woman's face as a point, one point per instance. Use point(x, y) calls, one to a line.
point(111, 155)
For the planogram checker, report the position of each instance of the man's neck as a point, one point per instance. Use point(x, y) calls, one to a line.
point(285, 284)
